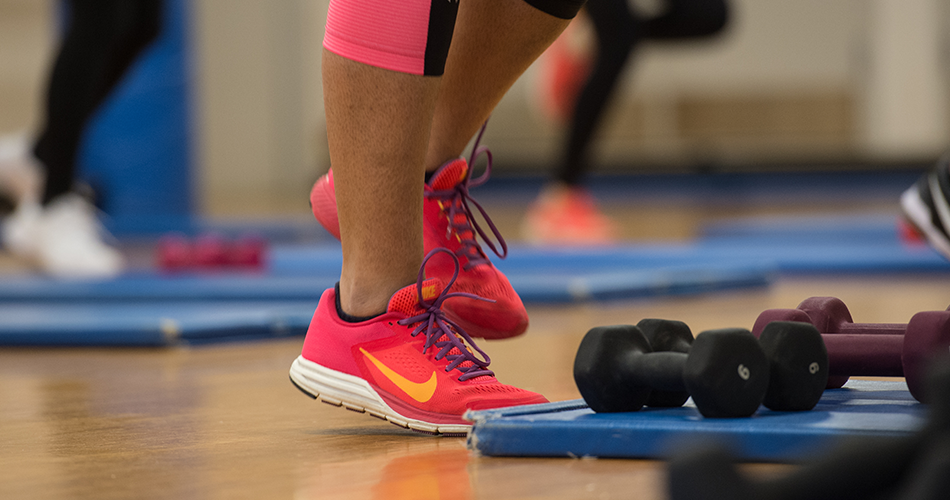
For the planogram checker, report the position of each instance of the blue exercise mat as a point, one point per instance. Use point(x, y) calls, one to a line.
point(157, 288)
point(540, 275)
point(150, 227)
point(781, 254)
point(319, 268)
point(157, 324)
point(570, 429)
point(838, 229)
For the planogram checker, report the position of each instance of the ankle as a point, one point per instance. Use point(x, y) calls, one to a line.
point(349, 318)
point(357, 303)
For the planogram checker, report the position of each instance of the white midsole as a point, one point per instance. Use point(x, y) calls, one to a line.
point(341, 389)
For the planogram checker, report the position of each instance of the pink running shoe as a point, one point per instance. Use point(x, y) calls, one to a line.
point(563, 70)
point(448, 223)
point(411, 365)
point(564, 215)
point(323, 204)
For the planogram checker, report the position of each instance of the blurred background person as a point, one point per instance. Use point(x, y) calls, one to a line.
point(54, 224)
point(580, 80)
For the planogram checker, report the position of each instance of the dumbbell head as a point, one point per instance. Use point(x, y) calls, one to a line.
point(927, 339)
point(174, 252)
point(826, 313)
point(771, 315)
point(798, 365)
point(784, 315)
point(727, 373)
point(247, 251)
point(210, 250)
point(707, 473)
point(599, 368)
point(936, 390)
point(928, 478)
point(672, 336)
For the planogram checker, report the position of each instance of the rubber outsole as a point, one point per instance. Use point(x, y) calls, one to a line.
point(354, 394)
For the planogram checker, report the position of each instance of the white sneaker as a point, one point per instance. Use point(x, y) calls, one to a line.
point(20, 175)
point(21, 229)
point(65, 239)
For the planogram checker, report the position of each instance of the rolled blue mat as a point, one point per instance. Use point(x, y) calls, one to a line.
point(838, 229)
point(154, 324)
point(533, 287)
point(547, 275)
point(168, 288)
point(735, 252)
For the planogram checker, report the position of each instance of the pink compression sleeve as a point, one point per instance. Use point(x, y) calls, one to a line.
point(389, 34)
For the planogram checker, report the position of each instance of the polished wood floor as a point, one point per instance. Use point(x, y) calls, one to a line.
point(224, 421)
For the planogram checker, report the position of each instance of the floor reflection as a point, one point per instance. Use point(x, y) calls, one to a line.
point(433, 475)
point(399, 472)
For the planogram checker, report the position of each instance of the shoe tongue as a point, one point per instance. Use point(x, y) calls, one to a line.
point(449, 175)
point(406, 300)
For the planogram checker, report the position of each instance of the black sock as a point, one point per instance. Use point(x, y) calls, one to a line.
point(347, 317)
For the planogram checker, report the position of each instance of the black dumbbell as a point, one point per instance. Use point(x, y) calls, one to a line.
point(798, 365)
point(614, 374)
point(726, 371)
point(927, 478)
point(911, 466)
point(879, 462)
point(667, 336)
point(798, 362)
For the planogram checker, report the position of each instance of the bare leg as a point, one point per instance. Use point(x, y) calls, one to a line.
point(378, 124)
point(494, 43)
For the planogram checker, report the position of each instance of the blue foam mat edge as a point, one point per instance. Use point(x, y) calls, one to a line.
point(533, 287)
point(784, 255)
point(570, 429)
point(150, 324)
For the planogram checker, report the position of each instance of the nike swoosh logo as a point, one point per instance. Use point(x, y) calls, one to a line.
point(421, 392)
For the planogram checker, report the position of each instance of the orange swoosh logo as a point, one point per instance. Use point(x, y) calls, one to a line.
point(421, 392)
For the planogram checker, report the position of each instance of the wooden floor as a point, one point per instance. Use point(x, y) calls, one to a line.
point(224, 421)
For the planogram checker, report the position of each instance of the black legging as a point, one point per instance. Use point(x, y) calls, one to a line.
point(102, 40)
point(619, 29)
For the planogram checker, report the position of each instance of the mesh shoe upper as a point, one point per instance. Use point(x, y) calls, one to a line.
point(567, 216)
point(420, 362)
point(449, 222)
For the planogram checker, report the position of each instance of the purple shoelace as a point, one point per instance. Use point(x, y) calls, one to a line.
point(443, 333)
point(458, 199)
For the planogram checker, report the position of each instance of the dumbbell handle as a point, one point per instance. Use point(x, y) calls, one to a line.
point(870, 328)
point(658, 370)
point(864, 355)
point(846, 327)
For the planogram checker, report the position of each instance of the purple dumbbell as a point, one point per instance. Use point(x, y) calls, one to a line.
point(870, 349)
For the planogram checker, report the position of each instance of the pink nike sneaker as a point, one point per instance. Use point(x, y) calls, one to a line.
point(567, 215)
point(448, 223)
point(411, 365)
point(323, 204)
